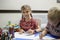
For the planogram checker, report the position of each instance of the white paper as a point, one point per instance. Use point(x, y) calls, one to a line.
point(27, 36)
point(23, 35)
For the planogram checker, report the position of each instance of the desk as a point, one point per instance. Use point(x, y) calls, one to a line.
point(26, 36)
point(35, 36)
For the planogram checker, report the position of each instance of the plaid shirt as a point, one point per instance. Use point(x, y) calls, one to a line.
point(54, 29)
point(31, 24)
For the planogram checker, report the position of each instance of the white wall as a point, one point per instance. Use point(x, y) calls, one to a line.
point(15, 18)
point(5, 17)
point(35, 4)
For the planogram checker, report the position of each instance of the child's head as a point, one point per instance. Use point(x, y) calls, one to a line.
point(54, 15)
point(26, 11)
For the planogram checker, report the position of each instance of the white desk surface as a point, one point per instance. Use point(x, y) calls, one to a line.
point(27, 36)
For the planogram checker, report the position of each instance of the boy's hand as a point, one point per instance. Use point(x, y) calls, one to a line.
point(30, 31)
point(41, 36)
point(43, 33)
point(21, 31)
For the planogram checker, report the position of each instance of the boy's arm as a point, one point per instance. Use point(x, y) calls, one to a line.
point(43, 33)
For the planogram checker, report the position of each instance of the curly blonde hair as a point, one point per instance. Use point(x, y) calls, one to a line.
point(54, 14)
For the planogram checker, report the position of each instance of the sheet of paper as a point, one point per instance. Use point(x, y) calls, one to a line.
point(24, 35)
point(27, 36)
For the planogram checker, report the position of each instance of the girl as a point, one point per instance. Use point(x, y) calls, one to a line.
point(53, 26)
point(27, 23)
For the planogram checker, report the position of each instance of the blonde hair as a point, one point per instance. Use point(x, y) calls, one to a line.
point(25, 7)
point(54, 14)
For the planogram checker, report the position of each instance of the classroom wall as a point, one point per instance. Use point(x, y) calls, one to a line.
point(35, 4)
point(15, 18)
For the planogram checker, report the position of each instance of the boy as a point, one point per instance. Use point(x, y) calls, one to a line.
point(53, 26)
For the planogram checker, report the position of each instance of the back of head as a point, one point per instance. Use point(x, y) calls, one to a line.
point(54, 14)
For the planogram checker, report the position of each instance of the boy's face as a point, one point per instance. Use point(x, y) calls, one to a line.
point(26, 13)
